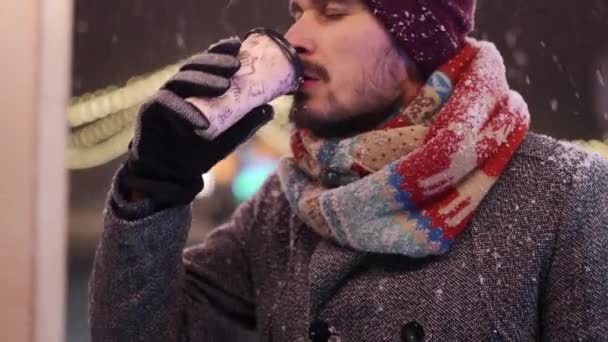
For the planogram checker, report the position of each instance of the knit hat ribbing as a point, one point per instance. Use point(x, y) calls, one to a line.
point(429, 31)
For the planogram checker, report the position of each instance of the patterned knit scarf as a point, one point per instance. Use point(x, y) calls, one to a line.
point(411, 186)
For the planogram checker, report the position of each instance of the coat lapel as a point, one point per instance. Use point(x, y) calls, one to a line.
point(330, 266)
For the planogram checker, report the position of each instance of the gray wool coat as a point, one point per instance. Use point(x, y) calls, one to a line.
point(532, 265)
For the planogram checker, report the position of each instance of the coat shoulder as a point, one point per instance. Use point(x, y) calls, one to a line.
point(548, 189)
point(534, 199)
point(560, 158)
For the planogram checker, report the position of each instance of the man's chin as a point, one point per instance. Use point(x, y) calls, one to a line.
point(336, 123)
point(339, 125)
point(303, 116)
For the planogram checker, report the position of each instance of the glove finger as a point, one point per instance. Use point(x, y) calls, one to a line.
point(191, 83)
point(245, 128)
point(229, 46)
point(213, 63)
point(173, 105)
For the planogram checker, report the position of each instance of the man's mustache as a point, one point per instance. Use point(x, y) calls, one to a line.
point(316, 70)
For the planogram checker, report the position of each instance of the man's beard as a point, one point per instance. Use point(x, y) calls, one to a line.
point(341, 123)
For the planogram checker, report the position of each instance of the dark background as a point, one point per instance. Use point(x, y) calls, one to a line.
point(556, 53)
point(559, 46)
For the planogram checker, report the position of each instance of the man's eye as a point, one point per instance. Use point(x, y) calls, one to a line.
point(334, 13)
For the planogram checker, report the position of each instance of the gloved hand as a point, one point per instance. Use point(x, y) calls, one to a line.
point(166, 157)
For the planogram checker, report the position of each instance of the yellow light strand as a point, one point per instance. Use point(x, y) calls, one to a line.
point(102, 121)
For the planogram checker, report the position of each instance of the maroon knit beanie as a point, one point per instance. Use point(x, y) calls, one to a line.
point(429, 31)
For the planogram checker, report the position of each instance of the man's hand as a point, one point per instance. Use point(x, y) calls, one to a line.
point(167, 158)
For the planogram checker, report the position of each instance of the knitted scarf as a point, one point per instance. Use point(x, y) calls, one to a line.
point(411, 186)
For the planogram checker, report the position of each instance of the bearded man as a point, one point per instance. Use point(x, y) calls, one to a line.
point(416, 206)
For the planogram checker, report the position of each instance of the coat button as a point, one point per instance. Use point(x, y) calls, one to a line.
point(330, 178)
point(319, 331)
point(495, 336)
point(412, 332)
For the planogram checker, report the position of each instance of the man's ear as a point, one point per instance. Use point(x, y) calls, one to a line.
point(413, 72)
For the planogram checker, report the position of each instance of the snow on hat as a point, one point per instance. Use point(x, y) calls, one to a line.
point(430, 31)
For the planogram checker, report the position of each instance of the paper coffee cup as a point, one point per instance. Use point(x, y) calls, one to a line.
point(269, 68)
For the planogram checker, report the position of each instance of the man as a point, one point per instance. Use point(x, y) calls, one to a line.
point(416, 206)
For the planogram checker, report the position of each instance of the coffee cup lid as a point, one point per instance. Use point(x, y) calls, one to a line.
point(287, 48)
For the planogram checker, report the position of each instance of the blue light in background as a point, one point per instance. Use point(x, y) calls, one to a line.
point(250, 179)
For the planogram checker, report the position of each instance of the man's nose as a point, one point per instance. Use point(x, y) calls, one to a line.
point(299, 36)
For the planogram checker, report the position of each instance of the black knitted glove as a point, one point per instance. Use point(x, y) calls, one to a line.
point(166, 157)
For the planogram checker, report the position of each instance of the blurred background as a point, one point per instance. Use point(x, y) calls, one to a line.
point(556, 53)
